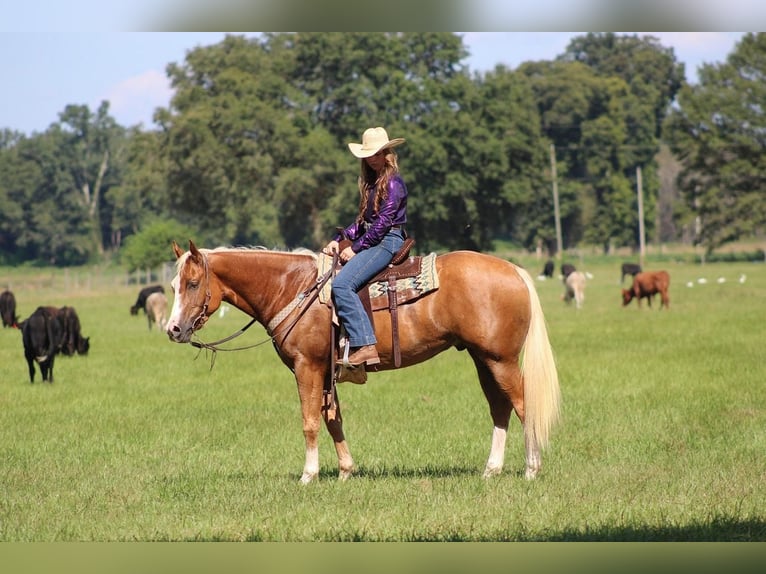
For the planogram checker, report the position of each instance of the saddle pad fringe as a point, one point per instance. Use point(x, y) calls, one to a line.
point(324, 264)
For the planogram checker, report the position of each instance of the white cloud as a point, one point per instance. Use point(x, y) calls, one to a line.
point(697, 48)
point(134, 100)
point(700, 44)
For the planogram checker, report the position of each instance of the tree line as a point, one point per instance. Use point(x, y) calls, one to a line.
point(252, 149)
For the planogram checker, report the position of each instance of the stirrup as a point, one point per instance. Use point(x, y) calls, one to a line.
point(344, 371)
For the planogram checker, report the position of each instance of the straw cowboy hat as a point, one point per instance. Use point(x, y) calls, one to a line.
point(373, 140)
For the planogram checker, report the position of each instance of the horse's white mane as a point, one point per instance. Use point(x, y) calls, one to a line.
point(305, 251)
point(224, 249)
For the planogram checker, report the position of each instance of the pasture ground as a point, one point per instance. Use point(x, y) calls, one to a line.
point(662, 438)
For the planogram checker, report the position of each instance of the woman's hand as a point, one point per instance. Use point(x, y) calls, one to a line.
point(347, 254)
point(330, 248)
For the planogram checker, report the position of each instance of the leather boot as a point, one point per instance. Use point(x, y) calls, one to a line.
point(367, 354)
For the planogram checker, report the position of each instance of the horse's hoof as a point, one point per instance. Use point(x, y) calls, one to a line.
point(531, 473)
point(344, 475)
point(489, 472)
point(307, 477)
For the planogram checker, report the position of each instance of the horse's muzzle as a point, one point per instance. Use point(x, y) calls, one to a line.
point(178, 335)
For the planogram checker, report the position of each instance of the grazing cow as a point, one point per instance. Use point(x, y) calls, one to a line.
point(566, 269)
point(574, 288)
point(629, 269)
point(157, 310)
point(8, 309)
point(73, 341)
point(548, 269)
point(42, 333)
point(647, 284)
point(142, 295)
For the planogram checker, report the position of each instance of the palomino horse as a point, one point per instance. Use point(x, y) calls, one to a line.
point(485, 305)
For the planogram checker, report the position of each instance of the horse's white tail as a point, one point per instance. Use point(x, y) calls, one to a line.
point(542, 394)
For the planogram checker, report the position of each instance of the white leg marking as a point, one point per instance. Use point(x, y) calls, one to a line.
point(496, 453)
point(534, 462)
point(311, 468)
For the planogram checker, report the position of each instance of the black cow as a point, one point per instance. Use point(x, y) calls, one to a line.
point(43, 334)
point(629, 269)
point(8, 309)
point(566, 269)
point(142, 295)
point(73, 341)
point(548, 269)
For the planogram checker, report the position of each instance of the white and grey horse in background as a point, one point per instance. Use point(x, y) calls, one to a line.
point(574, 288)
point(157, 310)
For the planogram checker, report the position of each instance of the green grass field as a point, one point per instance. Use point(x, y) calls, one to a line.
point(663, 433)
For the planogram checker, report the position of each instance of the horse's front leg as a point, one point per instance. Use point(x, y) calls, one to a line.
point(310, 394)
point(314, 405)
point(334, 422)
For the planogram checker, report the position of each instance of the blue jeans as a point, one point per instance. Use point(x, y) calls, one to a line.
point(353, 276)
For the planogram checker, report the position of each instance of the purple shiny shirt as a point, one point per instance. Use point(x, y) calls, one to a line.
point(393, 211)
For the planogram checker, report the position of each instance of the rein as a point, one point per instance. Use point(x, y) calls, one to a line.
point(301, 300)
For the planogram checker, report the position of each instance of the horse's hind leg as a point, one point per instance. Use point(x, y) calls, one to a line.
point(532, 451)
point(502, 386)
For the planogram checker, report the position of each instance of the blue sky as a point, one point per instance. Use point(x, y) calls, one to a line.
point(42, 71)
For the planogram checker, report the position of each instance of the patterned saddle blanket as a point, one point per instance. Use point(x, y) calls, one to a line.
point(415, 277)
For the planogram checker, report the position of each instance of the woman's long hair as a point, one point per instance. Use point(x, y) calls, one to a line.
point(370, 177)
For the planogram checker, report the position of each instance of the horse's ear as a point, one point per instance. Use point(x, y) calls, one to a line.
point(193, 249)
point(177, 250)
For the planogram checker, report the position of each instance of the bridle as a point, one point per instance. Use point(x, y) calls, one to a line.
point(302, 300)
point(201, 319)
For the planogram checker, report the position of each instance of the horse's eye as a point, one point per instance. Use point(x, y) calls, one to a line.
point(192, 285)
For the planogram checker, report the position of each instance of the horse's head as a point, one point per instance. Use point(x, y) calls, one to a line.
point(196, 295)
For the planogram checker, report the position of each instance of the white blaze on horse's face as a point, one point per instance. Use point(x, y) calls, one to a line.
point(189, 311)
point(175, 328)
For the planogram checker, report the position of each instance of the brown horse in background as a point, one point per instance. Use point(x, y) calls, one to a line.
point(485, 305)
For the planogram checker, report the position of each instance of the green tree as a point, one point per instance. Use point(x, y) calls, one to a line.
point(151, 246)
point(226, 136)
point(54, 185)
point(519, 201)
point(718, 132)
point(55, 225)
point(653, 77)
point(591, 120)
point(12, 173)
point(91, 147)
point(141, 193)
point(651, 70)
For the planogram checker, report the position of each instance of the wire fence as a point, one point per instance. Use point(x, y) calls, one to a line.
point(81, 280)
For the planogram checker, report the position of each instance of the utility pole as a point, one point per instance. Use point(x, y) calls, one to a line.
point(556, 214)
point(641, 238)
